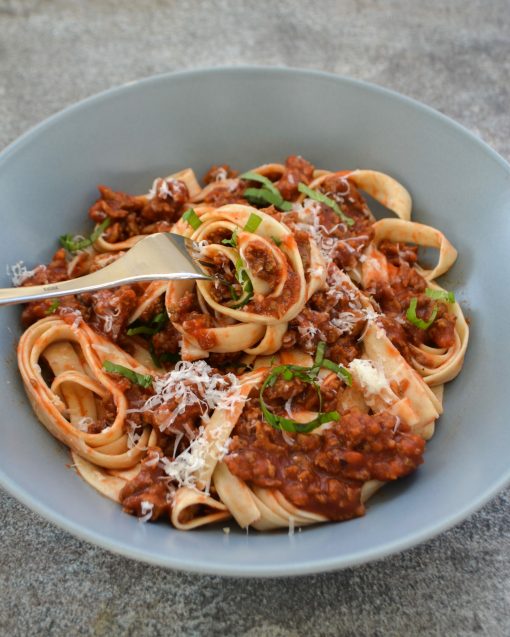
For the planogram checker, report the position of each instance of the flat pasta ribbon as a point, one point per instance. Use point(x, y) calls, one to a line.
point(75, 355)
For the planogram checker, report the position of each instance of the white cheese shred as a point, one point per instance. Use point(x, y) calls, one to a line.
point(193, 383)
point(18, 273)
point(370, 378)
point(146, 509)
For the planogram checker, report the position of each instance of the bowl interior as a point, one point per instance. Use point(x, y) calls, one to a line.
point(244, 117)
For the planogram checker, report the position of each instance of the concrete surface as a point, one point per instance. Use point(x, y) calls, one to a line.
point(453, 55)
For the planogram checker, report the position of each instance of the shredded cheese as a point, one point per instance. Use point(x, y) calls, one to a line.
point(345, 321)
point(371, 379)
point(160, 188)
point(18, 273)
point(184, 468)
point(146, 509)
point(308, 331)
point(132, 435)
point(193, 383)
point(83, 424)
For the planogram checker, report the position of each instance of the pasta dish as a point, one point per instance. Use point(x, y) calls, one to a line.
point(282, 392)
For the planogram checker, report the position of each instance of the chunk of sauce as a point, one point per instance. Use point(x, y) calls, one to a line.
point(395, 296)
point(324, 472)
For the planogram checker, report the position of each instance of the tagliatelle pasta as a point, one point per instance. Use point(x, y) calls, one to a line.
point(284, 391)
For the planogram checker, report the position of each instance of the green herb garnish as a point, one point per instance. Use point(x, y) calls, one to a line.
point(440, 295)
point(269, 193)
point(253, 223)
point(52, 308)
point(233, 293)
point(416, 320)
point(157, 324)
point(308, 375)
point(263, 196)
point(142, 329)
point(232, 242)
point(288, 372)
point(166, 357)
point(320, 361)
point(322, 198)
point(160, 319)
point(277, 241)
point(192, 218)
point(339, 371)
point(68, 242)
point(243, 278)
point(144, 380)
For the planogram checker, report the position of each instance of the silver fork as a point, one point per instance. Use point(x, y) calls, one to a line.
point(163, 256)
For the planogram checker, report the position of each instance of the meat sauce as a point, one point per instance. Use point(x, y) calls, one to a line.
point(323, 473)
point(147, 493)
point(134, 215)
point(297, 170)
point(395, 296)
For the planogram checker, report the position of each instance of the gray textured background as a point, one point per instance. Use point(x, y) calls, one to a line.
point(453, 55)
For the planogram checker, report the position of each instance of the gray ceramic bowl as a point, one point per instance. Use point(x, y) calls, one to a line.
point(247, 116)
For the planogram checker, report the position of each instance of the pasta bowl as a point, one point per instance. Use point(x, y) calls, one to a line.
point(246, 117)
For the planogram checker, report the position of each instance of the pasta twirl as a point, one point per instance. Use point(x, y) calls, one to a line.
point(284, 392)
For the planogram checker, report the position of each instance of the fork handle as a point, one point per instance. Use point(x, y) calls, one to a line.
point(110, 276)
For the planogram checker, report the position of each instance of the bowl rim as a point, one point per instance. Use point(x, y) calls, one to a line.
point(304, 567)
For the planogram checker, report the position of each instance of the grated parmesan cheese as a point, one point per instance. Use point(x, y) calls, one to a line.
point(184, 468)
point(193, 383)
point(18, 273)
point(132, 435)
point(308, 331)
point(152, 459)
point(146, 509)
point(83, 423)
point(160, 188)
point(345, 321)
point(369, 377)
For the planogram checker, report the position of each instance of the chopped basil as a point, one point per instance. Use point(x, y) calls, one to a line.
point(277, 241)
point(165, 357)
point(263, 197)
point(142, 329)
point(339, 371)
point(157, 324)
point(319, 354)
point(144, 380)
point(269, 193)
point(267, 183)
point(245, 281)
point(288, 372)
point(440, 295)
point(253, 223)
point(192, 218)
point(232, 242)
point(68, 242)
point(160, 319)
point(233, 293)
point(416, 320)
point(322, 198)
point(320, 361)
point(308, 375)
point(52, 308)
